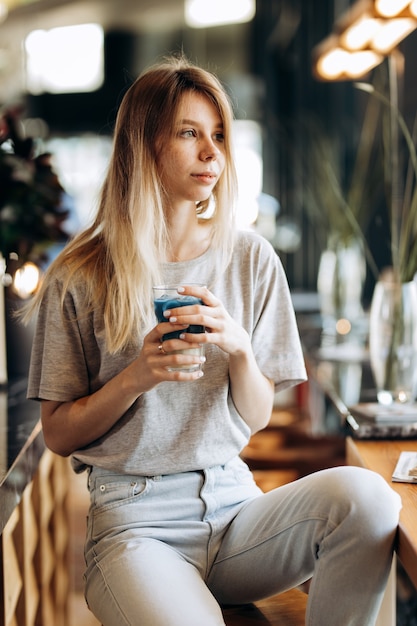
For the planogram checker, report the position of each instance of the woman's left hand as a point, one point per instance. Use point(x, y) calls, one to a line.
point(221, 328)
point(252, 392)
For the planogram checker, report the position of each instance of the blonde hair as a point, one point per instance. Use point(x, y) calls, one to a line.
point(118, 257)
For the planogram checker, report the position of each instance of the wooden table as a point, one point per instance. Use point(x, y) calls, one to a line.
point(382, 457)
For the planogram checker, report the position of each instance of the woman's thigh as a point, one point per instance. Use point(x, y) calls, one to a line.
point(338, 524)
point(189, 512)
point(146, 582)
point(151, 540)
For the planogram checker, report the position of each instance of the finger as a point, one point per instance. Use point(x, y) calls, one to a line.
point(202, 292)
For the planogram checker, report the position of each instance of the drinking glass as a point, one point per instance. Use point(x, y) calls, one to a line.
point(166, 297)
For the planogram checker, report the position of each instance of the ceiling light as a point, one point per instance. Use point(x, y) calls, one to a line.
point(201, 14)
point(362, 37)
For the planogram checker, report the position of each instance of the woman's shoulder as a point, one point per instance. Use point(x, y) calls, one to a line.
point(249, 240)
point(61, 278)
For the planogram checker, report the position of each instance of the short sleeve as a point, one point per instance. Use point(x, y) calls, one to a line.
point(275, 339)
point(58, 369)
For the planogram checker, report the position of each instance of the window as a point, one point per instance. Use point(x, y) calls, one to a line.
point(65, 60)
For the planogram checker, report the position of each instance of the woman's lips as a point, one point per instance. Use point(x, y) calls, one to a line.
point(206, 177)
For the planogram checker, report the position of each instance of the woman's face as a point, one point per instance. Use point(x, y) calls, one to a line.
point(192, 160)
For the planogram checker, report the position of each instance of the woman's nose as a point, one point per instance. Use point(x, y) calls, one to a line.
point(209, 151)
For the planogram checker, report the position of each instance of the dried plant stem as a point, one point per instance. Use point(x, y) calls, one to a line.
point(402, 194)
point(393, 162)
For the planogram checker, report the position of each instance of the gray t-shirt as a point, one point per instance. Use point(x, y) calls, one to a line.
point(175, 427)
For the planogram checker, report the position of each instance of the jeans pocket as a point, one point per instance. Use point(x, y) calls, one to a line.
point(114, 504)
point(112, 491)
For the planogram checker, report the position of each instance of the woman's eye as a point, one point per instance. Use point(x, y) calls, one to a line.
point(187, 133)
point(219, 137)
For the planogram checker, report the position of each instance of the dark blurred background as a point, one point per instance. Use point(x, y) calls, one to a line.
point(265, 63)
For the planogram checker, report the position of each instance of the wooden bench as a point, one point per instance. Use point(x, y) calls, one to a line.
point(284, 609)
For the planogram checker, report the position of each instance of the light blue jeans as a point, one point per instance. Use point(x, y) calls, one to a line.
point(168, 550)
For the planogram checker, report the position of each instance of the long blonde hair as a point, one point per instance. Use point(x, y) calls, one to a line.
point(118, 257)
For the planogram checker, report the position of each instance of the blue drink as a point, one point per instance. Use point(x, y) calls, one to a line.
point(167, 302)
point(167, 298)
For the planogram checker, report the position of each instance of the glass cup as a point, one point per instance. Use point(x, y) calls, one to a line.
point(166, 297)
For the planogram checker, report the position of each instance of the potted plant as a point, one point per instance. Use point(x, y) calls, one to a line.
point(393, 315)
point(340, 207)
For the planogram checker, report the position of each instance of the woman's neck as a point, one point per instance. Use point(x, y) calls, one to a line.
point(189, 239)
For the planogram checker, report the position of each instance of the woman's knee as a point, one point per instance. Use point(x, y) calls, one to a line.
point(365, 495)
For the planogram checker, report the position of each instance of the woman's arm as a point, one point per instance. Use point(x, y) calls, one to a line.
point(252, 392)
point(69, 426)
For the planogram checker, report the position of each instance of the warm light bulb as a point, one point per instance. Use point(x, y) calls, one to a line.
point(361, 33)
point(362, 62)
point(333, 64)
point(392, 33)
point(339, 63)
point(390, 8)
point(26, 280)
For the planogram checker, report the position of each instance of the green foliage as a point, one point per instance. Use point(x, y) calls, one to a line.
point(31, 213)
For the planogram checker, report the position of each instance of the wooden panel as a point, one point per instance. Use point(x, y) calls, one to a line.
point(34, 551)
point(52, 485)
point(28, 606)
point(12, 570)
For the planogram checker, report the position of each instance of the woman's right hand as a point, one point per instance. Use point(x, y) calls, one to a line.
point(157, 357)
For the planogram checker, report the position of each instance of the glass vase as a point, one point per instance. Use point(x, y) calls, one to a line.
point(340, 282)
point(393, 341)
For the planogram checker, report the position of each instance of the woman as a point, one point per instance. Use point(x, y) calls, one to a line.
point(177, 526)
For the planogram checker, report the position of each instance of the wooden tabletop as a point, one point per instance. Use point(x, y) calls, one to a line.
point(382, 457)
